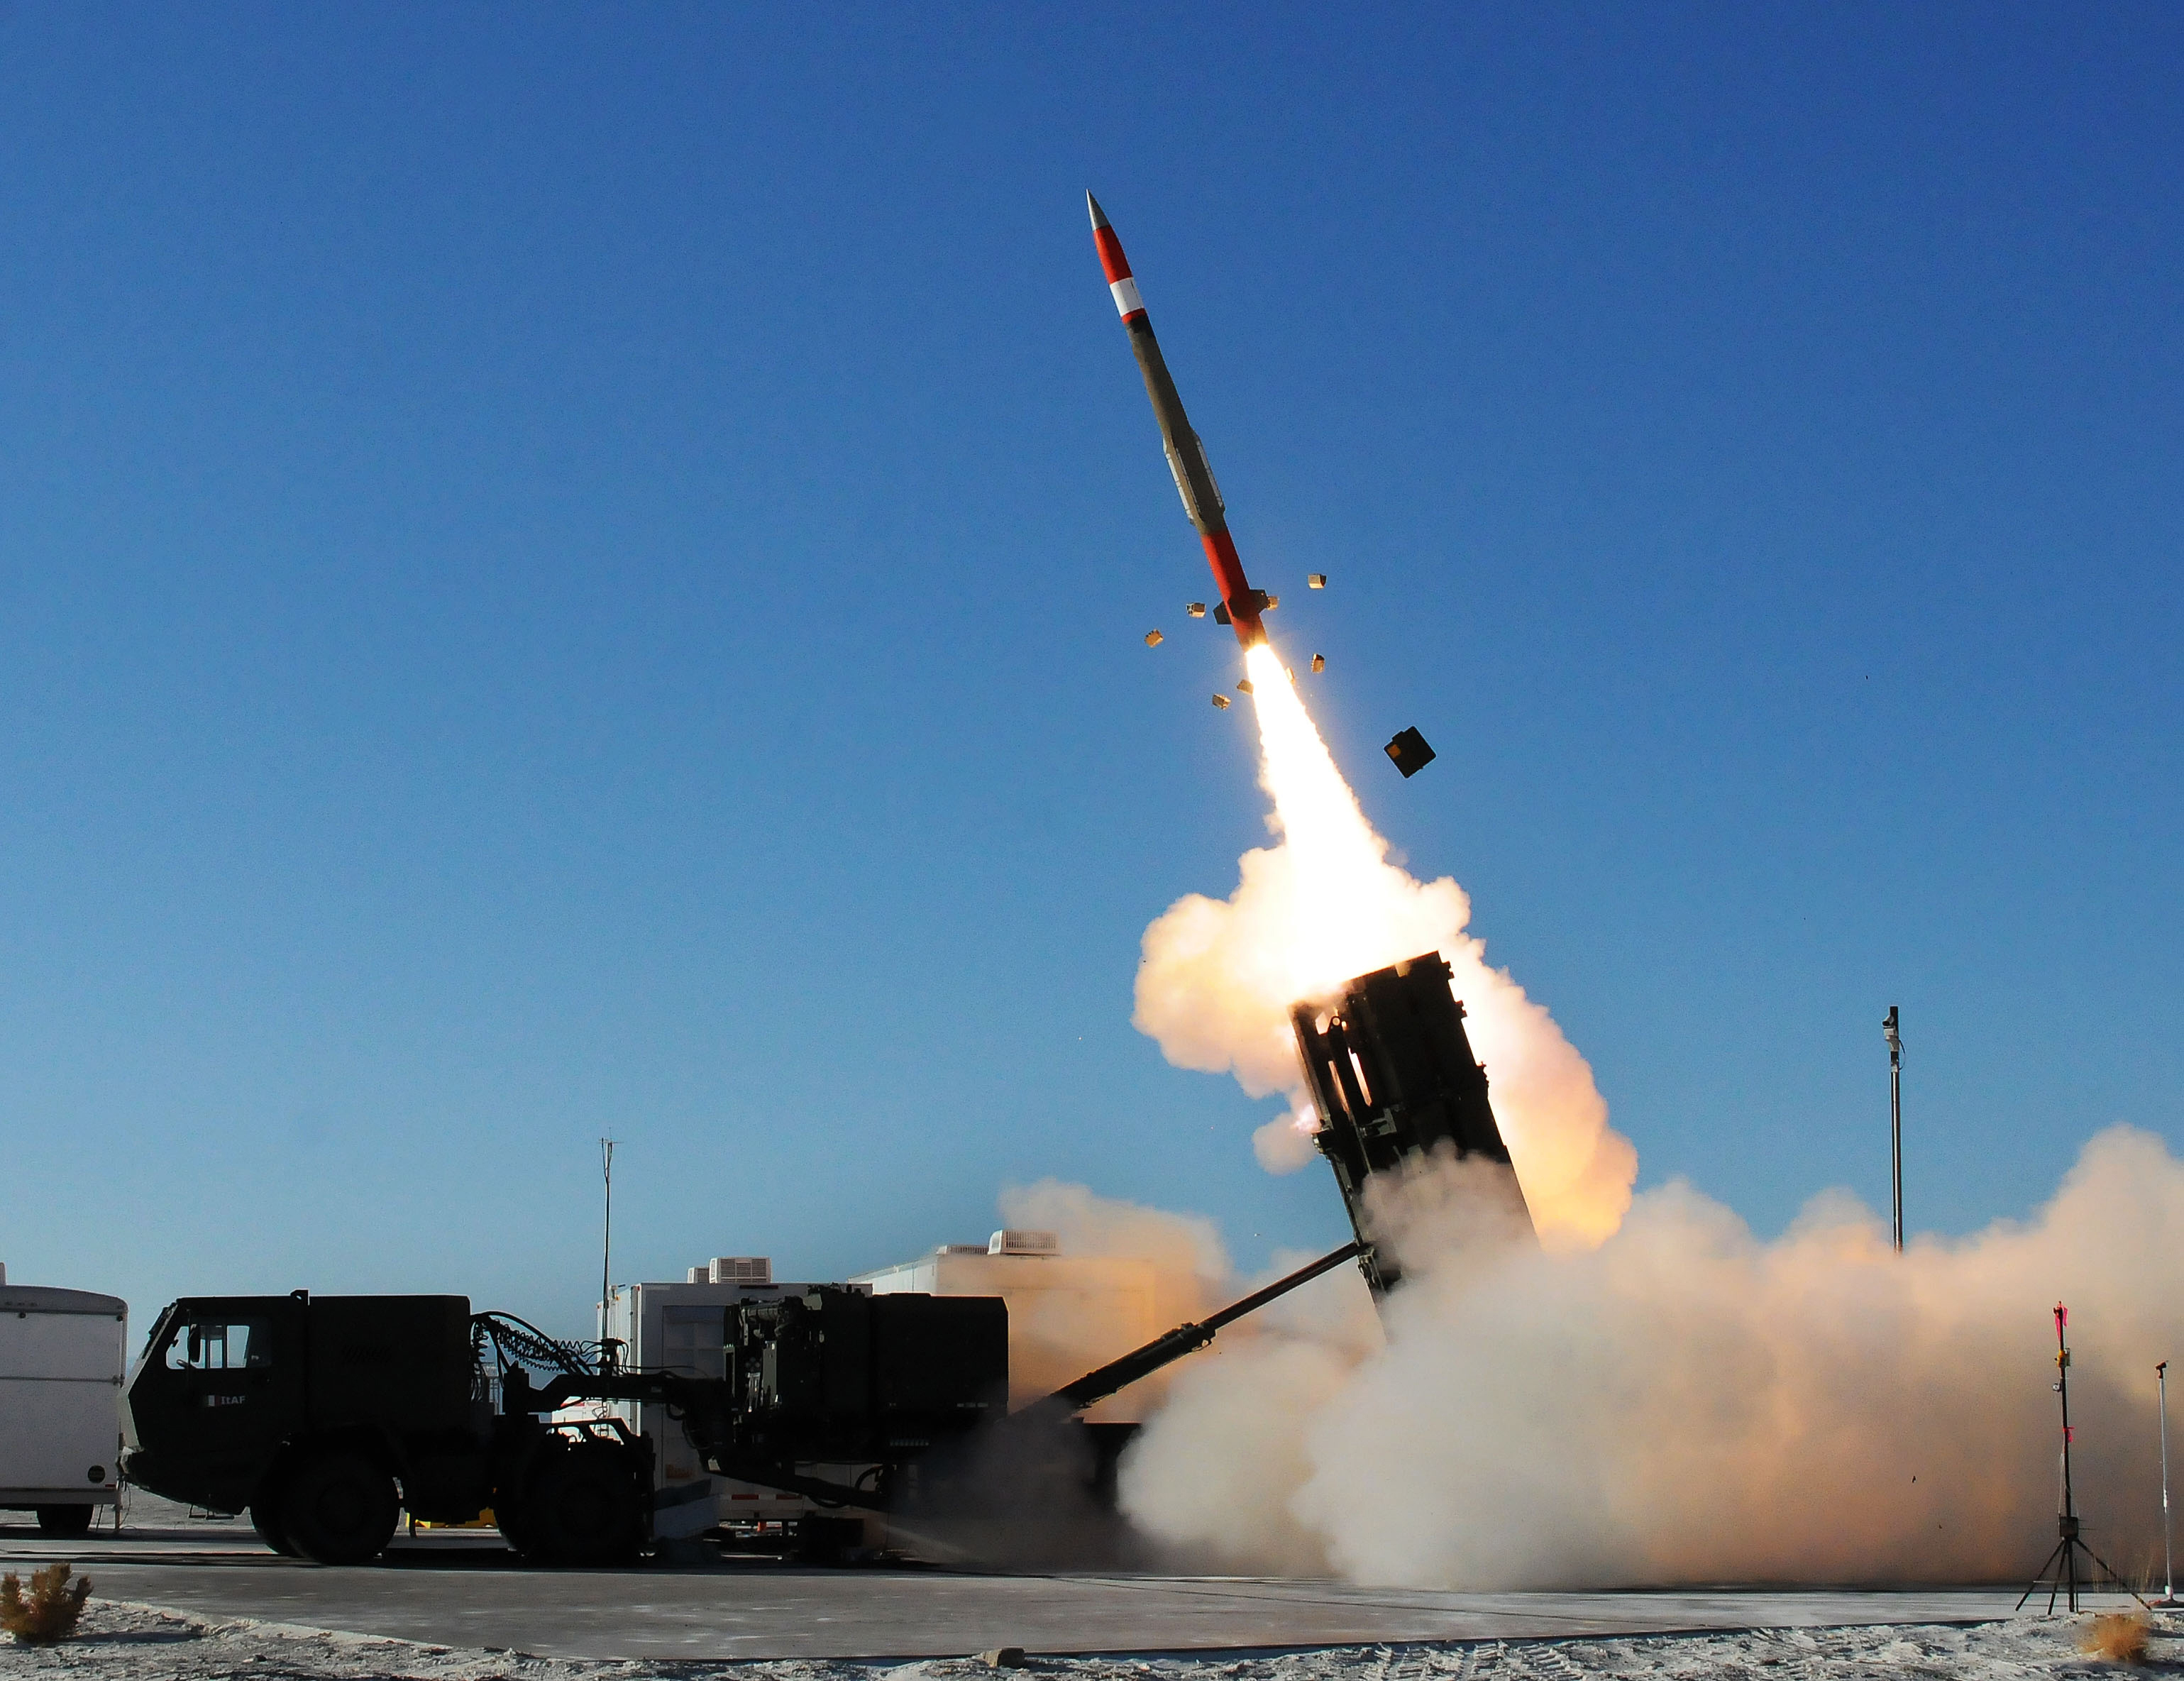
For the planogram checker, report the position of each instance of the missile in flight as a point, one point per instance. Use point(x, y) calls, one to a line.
point(1240, 605)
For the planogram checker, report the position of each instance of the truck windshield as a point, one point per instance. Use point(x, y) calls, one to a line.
point(224, 1345)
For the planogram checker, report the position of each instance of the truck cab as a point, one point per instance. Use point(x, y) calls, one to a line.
point(209, 1402)
point(325, 1417)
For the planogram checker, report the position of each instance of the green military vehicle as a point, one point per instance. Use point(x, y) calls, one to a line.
point(324, 1416)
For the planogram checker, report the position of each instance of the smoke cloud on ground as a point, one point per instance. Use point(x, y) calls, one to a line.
point(1190, 1263)
point(1687, 1403)
point(1650, 1394)
point(1131, 1273)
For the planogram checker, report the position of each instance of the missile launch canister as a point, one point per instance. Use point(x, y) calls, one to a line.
point(1186, 455)
point(1393, 1077)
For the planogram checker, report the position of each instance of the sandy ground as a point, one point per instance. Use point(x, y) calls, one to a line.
point(128, 1642)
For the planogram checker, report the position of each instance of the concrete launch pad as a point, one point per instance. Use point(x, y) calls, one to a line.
point(448, 1589)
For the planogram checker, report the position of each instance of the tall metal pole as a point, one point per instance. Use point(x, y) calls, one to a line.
point(606, 1236)
point(2168, 1564)
point(1895, 1125)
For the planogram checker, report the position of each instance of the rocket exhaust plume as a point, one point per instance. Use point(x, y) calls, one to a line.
point(1653, 1395)
point(1218, 976)
point(1217, 981)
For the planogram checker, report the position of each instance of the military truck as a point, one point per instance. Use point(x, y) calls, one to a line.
point(324, 1416)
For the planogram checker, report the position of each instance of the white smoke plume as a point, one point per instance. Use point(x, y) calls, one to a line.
point(1190, 1263)
point(1218, 976)
point(1687, 1404)
point(1660, 1398)
point(1125, 1274)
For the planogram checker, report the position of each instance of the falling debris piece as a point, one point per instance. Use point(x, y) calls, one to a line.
point(1153, 638)
point(1221, 701)
point(1243, 686)
point(1318, 662)
point(1410, 752)
point(1316, 580)
point(1196, 610)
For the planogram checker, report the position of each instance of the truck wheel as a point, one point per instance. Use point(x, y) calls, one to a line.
point(265, 1519)
point(64, 1520)
point(585, 1507)
point(508, 1518)
point(338, 1508)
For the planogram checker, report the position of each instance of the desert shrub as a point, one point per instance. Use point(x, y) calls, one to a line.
point(2118, 1636)
point(48, 1612)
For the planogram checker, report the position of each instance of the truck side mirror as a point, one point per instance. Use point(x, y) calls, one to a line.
point(197, 1346)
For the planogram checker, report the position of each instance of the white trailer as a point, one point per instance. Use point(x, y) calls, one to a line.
point(62, 1355)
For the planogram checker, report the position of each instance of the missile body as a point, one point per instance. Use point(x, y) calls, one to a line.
point(1186, 455)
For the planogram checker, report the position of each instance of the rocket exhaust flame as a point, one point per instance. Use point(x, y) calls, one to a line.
point(1217, 981)
point(1658, 1399)
point(1218, 976)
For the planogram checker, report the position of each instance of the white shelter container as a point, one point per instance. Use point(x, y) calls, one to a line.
point(62, 1355)
point(1068, 1314)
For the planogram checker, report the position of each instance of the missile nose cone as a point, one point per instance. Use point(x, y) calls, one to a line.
point(1099, 215)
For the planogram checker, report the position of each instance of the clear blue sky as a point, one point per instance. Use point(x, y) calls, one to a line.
point(567, 569)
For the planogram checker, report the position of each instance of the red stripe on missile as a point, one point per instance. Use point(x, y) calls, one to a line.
point(1110, 254)
point(1111, 258)
point(1228, 569)
point(1194, 477)
point(1128, 305)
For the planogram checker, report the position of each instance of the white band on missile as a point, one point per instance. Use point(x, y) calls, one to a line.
point(1127, 301)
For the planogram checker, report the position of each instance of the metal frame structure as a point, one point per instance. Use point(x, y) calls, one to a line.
point(1393, 1077)
point(1895, 1125)
point(2168, 1563)
point(2060, 1570)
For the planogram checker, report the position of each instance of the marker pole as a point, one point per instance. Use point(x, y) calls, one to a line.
point(1895, 1126)
point(2168, 1564)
